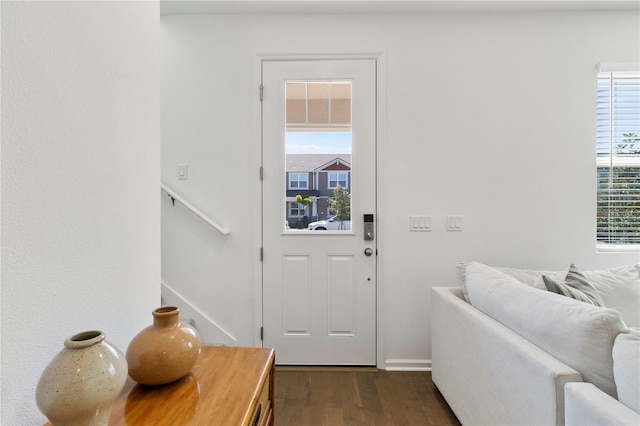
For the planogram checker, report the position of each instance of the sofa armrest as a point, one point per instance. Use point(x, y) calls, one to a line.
point(586, 405)
point(489, 374)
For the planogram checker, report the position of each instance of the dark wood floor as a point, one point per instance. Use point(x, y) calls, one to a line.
point(370, 397)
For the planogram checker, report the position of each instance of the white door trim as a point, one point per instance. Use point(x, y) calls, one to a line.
point(258, 59)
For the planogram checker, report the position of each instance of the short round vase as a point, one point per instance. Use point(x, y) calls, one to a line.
point(165, 351)
point(82, 381)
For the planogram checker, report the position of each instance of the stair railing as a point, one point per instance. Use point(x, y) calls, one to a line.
point(175, 197)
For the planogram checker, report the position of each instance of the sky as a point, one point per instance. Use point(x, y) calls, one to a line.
point(318, 142)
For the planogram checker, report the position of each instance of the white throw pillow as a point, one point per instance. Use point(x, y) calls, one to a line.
point(620, 290)
point(578, 334)
point(626, 368)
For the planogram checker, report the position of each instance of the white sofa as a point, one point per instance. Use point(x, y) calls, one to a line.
point(518, 354)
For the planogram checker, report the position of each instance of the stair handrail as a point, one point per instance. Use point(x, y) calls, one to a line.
point(174, 196)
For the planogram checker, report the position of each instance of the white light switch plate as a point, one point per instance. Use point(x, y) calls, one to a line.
point(454, 223)
point(183, 172)
point(420, 223)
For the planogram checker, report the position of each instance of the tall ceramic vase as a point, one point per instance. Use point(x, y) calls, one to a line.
point(82, 381)
point(165, 351)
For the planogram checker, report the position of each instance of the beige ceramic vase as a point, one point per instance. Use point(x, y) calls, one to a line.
point(82, 381)
point(165, 351)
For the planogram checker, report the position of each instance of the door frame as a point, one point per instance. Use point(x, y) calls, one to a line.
point(258, 60)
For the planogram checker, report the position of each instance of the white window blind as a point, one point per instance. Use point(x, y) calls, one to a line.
point(618, 158)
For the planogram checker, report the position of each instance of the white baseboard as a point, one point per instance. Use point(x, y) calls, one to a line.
point(407, 365)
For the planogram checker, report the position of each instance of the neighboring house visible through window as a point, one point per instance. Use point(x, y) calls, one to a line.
point(618, 157)
point(298, 180)
point(295, 210)
point(314, 176)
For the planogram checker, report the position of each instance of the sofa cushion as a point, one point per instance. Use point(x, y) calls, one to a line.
point(620, 290)
point(527, 276)
point(626, 368)
point(575, 285)
point(578, 334)
point(619, 287)
point(586, 405)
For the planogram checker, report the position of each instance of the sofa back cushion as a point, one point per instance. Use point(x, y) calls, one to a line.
point(619, 287)
point(529, 277)
point(578, 334)
point(626, 368)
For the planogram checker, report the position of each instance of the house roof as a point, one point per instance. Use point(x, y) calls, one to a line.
point(312, 162)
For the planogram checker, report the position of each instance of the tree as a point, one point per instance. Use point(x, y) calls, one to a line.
point(630, 145)
point(303, 205)
point(340, 203)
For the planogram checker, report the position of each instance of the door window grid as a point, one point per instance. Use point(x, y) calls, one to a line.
point(317, 118)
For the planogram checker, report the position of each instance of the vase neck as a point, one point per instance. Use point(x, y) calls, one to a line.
point(166, 316)
point(84, 339)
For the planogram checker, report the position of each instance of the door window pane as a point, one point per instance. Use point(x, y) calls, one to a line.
point(318, 103)
point(296, 103)
point(341, 103)
point(318, 141)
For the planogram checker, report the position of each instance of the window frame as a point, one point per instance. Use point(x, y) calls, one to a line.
point(346, 179)
point(294, 205)
point(613, 134)
point(298, 174)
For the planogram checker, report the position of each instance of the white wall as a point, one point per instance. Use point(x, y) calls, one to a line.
point(488, 115)
point(80, 173)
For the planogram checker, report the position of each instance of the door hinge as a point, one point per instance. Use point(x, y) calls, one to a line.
point(261, 90)
point(261, 172)
point(261, 333)
point(261, 254)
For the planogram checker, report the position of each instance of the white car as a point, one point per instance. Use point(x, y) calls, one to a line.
point(331, 224)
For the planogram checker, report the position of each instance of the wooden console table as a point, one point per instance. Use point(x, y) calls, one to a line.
point(227, 386)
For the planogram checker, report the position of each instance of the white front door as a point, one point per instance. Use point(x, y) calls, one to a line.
point(319, 163)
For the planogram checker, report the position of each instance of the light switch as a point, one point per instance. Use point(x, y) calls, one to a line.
point(420, 223)
point(183, 171)
point(454, 223)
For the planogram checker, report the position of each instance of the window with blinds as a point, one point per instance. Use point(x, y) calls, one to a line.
point(618, 158)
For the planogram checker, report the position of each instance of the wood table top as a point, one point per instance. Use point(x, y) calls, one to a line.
point(221, 389)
